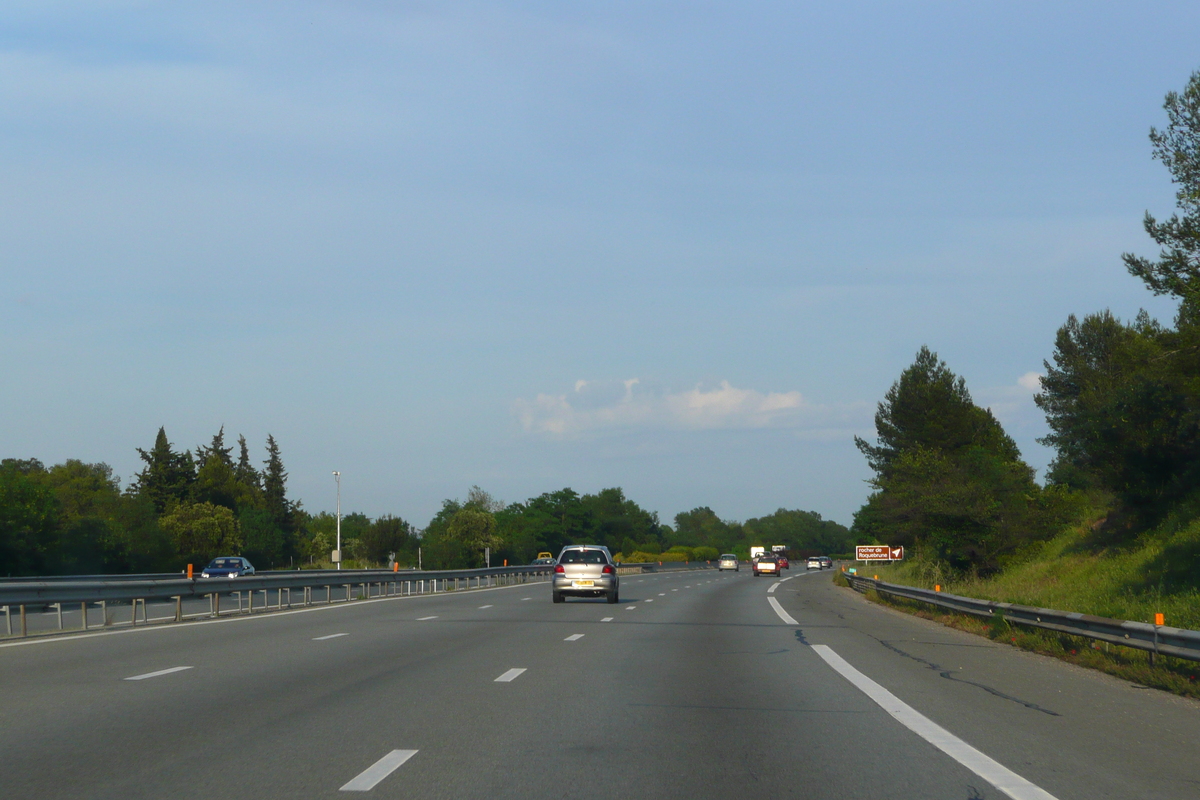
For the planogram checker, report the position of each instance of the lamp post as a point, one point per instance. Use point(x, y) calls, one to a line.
point(337, 476)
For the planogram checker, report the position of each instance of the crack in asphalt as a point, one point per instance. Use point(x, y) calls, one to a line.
point(950, 676)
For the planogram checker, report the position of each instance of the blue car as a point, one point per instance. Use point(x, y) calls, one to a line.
point(228, 567)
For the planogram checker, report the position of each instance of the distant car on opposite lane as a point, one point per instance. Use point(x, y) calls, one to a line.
point(227, 567)
point(728, 561)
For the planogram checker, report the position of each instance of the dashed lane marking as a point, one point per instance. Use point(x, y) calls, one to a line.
point(366, 780)
point(630, 608)
point(422, 619)
point(650, 600)
point(607, 619)
point(330, 636)
point(995, 773)
point(157, 673)
point(510, 676)
point(783, 615)
point(574, 637)
point(489, 605)
point(773, 587)
point(662, 594)
point(526, 598)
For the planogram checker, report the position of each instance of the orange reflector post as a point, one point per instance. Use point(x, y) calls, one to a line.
point(1158, 619)
point(876, 577)
point(189, 572)
point(937, 587)
point(506, 562)
point(395, 566)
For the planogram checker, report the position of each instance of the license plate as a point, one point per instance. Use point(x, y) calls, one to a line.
point(584, 583)
point(766, 568)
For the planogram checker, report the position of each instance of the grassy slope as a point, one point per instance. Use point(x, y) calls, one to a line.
point(1160, 572)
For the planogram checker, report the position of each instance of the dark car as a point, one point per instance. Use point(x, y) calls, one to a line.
point(541, 562)
point(228, 567)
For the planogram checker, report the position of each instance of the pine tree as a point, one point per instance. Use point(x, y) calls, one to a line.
point(245, 471)
point(167, 476)
point(275, 486)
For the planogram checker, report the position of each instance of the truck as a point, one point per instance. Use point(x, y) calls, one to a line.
point(755, 552)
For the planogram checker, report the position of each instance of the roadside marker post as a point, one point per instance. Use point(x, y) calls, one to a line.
point(937, 587)
point(189, 572)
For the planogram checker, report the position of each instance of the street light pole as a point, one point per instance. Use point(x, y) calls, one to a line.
point(337, 476)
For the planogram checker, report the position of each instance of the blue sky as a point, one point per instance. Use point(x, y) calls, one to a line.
point(683, 248)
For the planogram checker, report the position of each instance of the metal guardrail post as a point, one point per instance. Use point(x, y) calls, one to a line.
point(8, 620)
point(83, 613)
point(24, 629)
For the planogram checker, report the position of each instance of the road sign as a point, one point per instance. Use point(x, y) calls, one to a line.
point(878, 552)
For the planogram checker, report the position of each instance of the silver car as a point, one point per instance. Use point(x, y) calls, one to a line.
point(585, 570)
point(728, 561)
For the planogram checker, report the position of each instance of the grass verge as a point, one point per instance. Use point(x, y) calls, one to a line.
point(1175, 675)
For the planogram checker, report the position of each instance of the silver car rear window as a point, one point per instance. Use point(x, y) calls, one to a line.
point(583, 557)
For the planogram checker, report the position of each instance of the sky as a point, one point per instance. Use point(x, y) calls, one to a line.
point(680, 248)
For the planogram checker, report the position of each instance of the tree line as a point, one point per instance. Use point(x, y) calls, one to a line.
point(1122, 401)
point(188, 506)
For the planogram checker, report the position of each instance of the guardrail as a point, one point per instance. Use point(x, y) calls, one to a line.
point(1155, 639)
point(138, 589)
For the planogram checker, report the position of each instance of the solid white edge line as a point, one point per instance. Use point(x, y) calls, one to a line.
point(156, 674)
point(992, 771)
point(330, 636)
point(774, 586)
point(366, 780)
point(574, 637)
point(510, 676)
point(783, 615)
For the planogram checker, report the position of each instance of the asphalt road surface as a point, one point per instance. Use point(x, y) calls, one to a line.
point(697, 685)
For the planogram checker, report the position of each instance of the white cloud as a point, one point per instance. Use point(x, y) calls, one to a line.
point(598, 405)
point(1031, 381)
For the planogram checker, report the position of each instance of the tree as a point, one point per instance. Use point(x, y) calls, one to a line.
point(473, 528)
point(385, 536)
point(28, 517)
point(167, 476)
point(1177, 269)
point(245, 472)
point(930, 407)
point(949, 481)
point(202, 531)
point(274, 480)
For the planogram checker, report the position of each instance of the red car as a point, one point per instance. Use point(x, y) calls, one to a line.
point(783, 562)
point(766, 565)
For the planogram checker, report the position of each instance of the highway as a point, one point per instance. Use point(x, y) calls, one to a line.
point(696, 685)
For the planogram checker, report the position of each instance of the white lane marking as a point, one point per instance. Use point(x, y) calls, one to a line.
point(674, 590)
point(509, 676)
point(368, 778)
point(156, 674)
point(650, 600)
point(422, 619)
point(526, 598)
point(788, 578)
point(773, 587)
point(630, 608)
point(607, 619)
point(574, 637)
point(330, 636)
point(990, 770)
point(662, 594)
point(489, 605)
point(783, 615)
